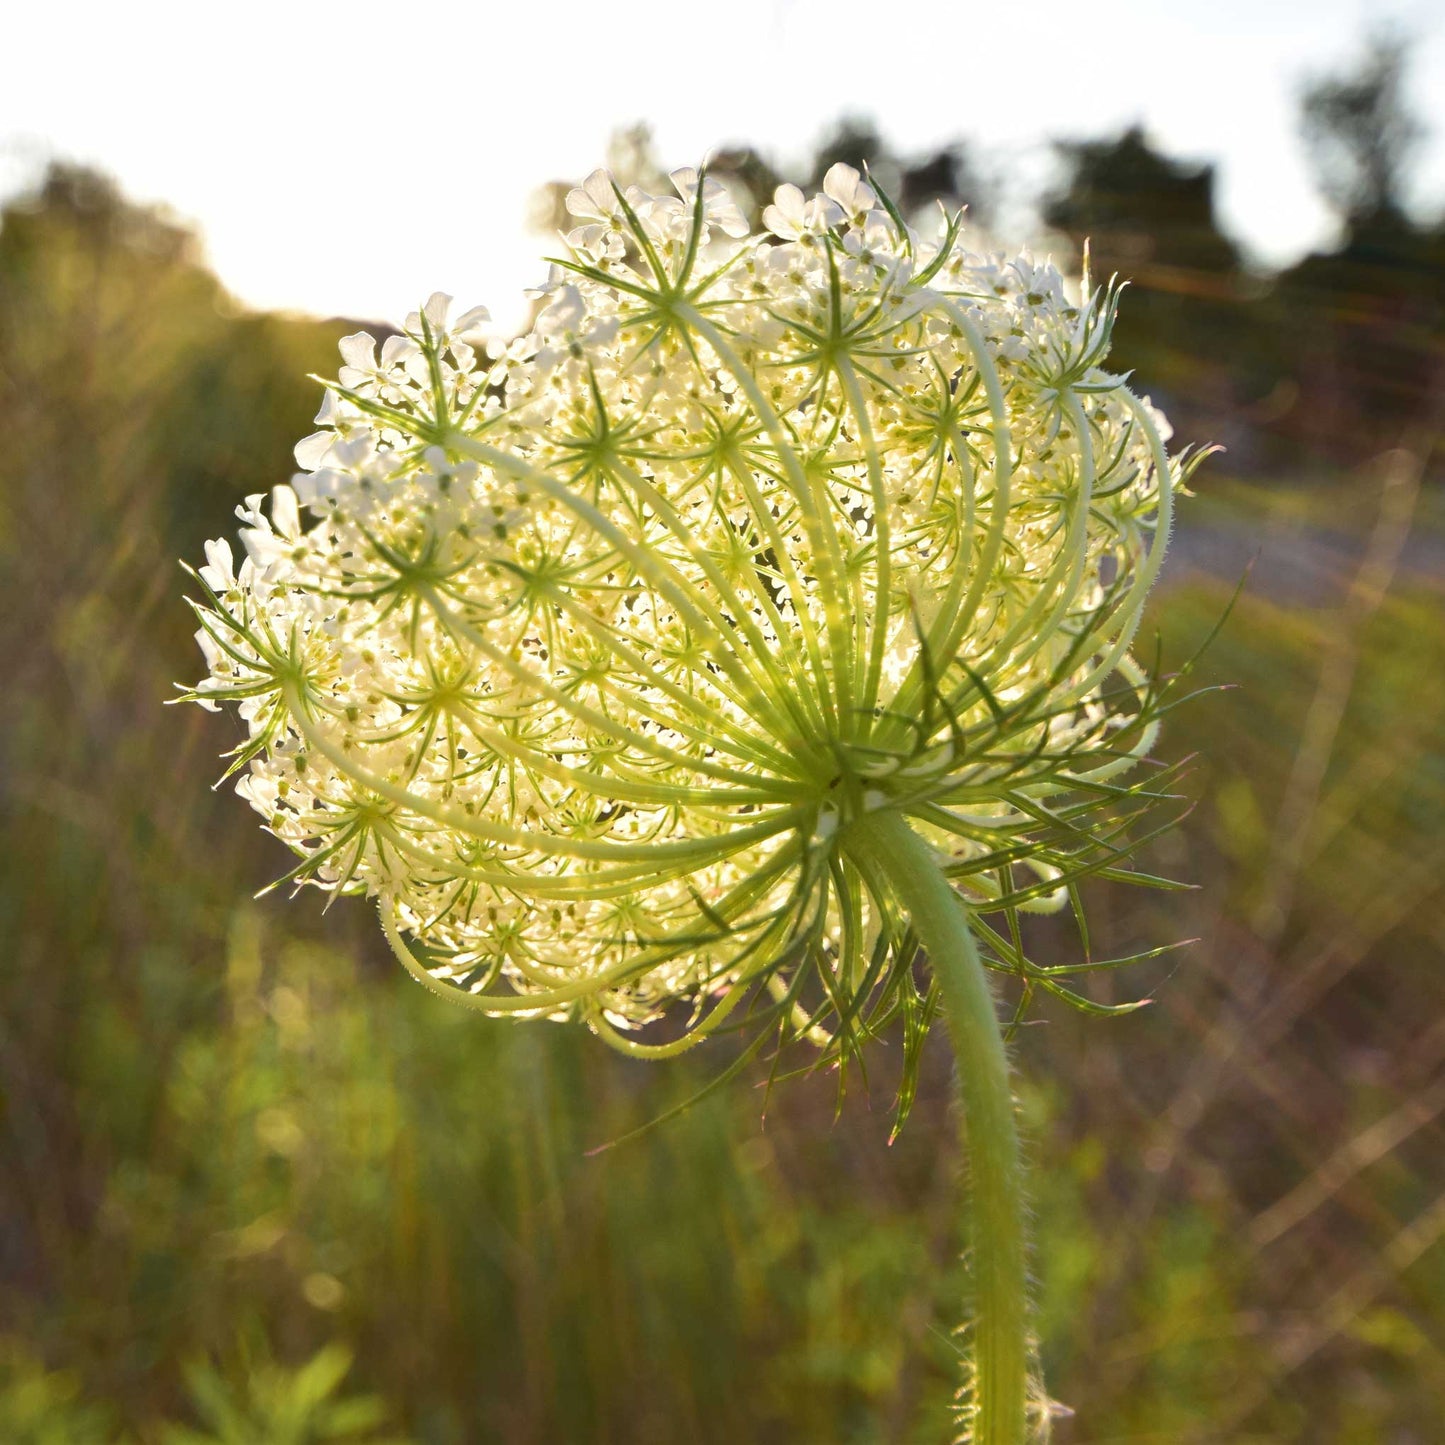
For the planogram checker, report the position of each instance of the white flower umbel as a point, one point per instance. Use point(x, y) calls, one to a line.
point(762, 613)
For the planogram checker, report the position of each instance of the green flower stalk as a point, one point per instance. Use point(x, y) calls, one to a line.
point(759, 618)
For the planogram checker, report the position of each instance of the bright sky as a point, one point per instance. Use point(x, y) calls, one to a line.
point(350, 159)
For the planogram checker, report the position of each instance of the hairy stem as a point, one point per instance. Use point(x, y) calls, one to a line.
point(886, 847)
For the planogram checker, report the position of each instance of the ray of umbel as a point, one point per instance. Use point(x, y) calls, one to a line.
point(758, 619)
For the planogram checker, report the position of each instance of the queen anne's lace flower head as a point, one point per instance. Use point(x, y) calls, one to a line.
point(581, 654)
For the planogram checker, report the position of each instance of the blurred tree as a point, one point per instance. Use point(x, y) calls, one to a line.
point(1360, 133)
point(1139, 210)
point(1366, 319)
point(948, 175)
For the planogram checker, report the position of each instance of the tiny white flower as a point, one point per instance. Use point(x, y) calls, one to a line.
point(793, 217)
point(719, 207)
point(595, 199)
point(219, 572)
point(854, 197)
point(433, 314)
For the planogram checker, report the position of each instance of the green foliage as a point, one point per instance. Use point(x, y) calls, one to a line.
point(43, 1407)
point(277, 1406)
point(1360, 132)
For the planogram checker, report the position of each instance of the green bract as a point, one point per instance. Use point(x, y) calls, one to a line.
point(589, 650)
